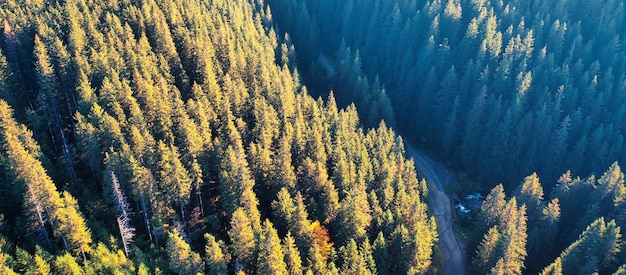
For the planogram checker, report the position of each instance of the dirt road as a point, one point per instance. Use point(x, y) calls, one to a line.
point(437, 177)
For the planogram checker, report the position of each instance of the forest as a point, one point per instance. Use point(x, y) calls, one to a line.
point(262, 137)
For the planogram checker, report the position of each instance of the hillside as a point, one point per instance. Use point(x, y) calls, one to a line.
point(176, 137)
point(504, 92)
point(179, 137)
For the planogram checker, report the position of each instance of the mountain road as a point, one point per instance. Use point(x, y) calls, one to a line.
point(437, 176)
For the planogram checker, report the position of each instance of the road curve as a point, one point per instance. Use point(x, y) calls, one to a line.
point(438, 176)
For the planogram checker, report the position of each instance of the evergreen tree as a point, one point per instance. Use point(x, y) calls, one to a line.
point(530, 193)
point(42, 199)
point(490, 212)
point(66, 264)
point(353, 262)
point(181, 258)
point(381, 255)
point(555, 268)
point(292, 255)
point(216, 259)
point(594, 250)
point(242, 236)
point(487, 251)
point(173, 178)
point(271, 259)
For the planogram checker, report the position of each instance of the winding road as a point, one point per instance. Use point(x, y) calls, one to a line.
point(438, 176)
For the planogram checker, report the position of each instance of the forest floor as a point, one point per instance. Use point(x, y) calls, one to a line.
point(437, 176)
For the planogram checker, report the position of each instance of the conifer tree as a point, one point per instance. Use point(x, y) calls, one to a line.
point(292, 255)
point(45, 205)
point(66, 264)
point(555, 268)
point(490, 212)
point(594, 250)
point(487, 251)
point(216, 258)
point(380, 254)
point(173, 178)
point(530, 193)
point(72, 227)
point(181, 258)
point(611, 189)
point(242, 236)
point(353, 262)
point(271, 259)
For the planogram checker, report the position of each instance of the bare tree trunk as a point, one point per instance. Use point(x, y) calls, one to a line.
point(42, 225)
point(571, 52)
point(127, 232)
point(200, 201)
point(65, 148)
point(145, 216)
point(601, 19)
point(43, 232)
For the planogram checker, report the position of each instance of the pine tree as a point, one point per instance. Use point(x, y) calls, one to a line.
point(271, 259)
point(4, 266)
point(503, 247)
point(45, 205)
point(235, 180)
point(66, 264)
point(530, 193)
point(301, 226)
point(173, 178)
point(594, 250)
point(353, 262)
point(6, 92)
point(490, 212)
point(283, 208)
point(380, 254)
point(242, 236)
point(542, 237)
point(50, 97)
point(354, 215)
point(43, 267)
point(72, 226)
point(611, 189)
point(292, 255)
point(216, 259)
point(621, 270)
point(283, 174)
point(514, 242)
point(182, 259)
point(486, 254)
point(555, 268)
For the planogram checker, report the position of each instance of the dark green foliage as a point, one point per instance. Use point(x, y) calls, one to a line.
point(575, 209)
point(594, 250)
point(555, 77)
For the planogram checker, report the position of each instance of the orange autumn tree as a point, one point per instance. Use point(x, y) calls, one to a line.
point(321, 239)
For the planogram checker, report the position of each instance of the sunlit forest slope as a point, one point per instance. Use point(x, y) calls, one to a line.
point(176, 137)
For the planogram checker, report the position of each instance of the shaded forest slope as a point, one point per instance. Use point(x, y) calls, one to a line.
point(497, 88)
